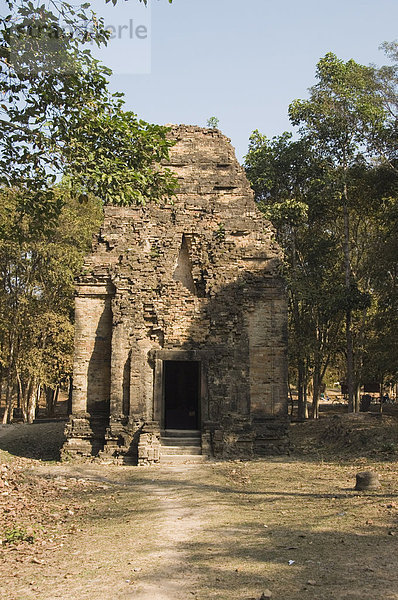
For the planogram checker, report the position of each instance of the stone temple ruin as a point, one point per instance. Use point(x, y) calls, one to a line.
point(181, 322)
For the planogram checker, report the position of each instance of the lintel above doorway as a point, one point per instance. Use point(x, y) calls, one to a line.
point(189, 355)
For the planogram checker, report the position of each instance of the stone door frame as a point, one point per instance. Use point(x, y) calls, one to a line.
point(162, 356)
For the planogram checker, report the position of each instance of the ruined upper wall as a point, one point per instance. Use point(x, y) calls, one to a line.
point(205, 162)
point(210, 176)
point(213, 194)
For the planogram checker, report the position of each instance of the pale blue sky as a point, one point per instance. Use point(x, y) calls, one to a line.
point(242, 61)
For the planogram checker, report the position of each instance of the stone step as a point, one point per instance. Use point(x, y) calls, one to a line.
point(188, 450)
point(180, 441)
point(181, 446)
point(177, 459)
point(180, 433)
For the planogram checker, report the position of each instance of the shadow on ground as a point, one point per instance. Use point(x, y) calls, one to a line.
point(42, 441)
point(301, 545)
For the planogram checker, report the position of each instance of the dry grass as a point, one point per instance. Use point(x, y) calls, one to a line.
point(293, 525)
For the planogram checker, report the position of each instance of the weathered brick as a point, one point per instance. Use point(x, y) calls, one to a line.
point(195, 279)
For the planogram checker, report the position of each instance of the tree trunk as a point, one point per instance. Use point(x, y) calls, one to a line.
point(8, 412)
point(350, 362)
point(56, 396)
point(316, 391)
point(302, 392)
point(305, 396)
point(357, 396)
point(33, 401)
point(70, 390)
point(348, 318)
point(27, 392)
point(291, 400)
point(51, 399)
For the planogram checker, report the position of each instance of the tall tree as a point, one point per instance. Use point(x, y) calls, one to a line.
point(58, 117)
point(291, 188)
point(343, 113)
point(385, 142)
point(381, 267)
point(37, 270)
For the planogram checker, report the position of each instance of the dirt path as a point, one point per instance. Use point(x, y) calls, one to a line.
point(178, 524)
point(135, 543)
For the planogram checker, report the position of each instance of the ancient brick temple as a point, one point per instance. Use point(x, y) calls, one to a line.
point(181, 321)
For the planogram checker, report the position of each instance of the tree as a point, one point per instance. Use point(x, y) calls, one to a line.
point(331, 196)
point(58, 117)
point(291, 185)
point(37, 271)
point(342, 115)
point(213, 122)
point(386, 140)
point(380, 361)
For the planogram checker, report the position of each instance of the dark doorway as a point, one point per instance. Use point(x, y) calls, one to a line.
point(181, 394)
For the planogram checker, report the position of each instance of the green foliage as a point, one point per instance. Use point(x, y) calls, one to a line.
point(343, 116)
point(291, 185)
point(343, 112)
point(114, 156)
point(58, 117)
point(43, 91)
point(282, 172)
point(386, 141)
point(37, 271)
point(16, 535)
point(220, 233)
point(380, 354)
point(59, 123)
point(213, 122)
point(331, 196)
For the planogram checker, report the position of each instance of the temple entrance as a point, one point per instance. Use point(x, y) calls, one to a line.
point(181, 394)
